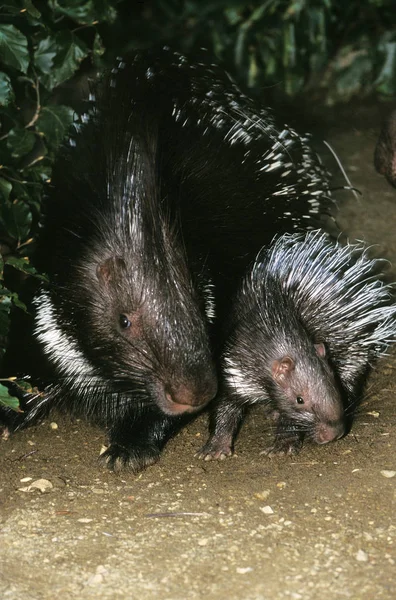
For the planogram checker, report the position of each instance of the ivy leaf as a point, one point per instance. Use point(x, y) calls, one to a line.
point(385, 82)
point(6, 399)
point(5, 188)
point(59, 58)
point(5, 308)
point(53, 122)
point(31, 9)
point(20, 141)
point(40, 175)
point(233, 14)
point(98, 49)
point(6, 91)
point(13, 48)
point(45, 54)
point(21, 263)
point(16, 218)
point(85, 13)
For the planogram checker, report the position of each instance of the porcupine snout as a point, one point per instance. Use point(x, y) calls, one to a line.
point(329, 431)
point(184, 393)
point(182, 398)
point(330, 420)
point(322, 394)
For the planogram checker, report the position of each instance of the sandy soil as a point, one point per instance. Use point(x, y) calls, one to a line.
point(321, 524)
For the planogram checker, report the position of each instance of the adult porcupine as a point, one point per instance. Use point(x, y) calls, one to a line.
point(168, 144)
point(311, 318)
point(122, 322)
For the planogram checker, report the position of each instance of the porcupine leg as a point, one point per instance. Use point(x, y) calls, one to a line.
point(136, 442)
point(288, 440)
point(225, 421)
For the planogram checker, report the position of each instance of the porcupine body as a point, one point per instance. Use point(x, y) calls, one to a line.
point(122, 323)
point(176, 141)
point(310, 320)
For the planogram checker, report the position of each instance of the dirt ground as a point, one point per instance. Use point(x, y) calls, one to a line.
point(318, 525)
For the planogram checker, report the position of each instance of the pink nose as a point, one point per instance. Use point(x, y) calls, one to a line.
point(328, 433)
point(181, 398)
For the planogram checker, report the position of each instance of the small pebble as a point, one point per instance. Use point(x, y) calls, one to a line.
point(40, 484)
point(267, 510)
point(388, 474)
point(95, 579)
point(101, 569)
point(203, 542)
point(262, 495)
point(243, 570)
point(361, 556)
point(84, 520)
point(53, 425)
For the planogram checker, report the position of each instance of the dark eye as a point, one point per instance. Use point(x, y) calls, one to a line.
point(124, 322)
point(299, 400)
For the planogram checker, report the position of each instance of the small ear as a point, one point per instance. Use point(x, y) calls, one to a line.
point(282, 368)
point(108, 270)
point(320, 349)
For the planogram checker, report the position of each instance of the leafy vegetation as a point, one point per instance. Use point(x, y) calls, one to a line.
point(333, 49)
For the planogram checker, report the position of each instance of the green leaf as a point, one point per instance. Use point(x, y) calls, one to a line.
point(233, 14)
point(59, 58)
point(20, 141)
point(45, 54)
point(7, 400)
point(385, 82)
point(14, 48)
point(5, 189)
point(16, 217)
point(5, 308)
point(18, 303)
point(31, 9)
point(98, 49)
point(40, 174)
point(53, 122)
point(21, 263)
point(85, 13)
point(6, 91)
point(352, 69)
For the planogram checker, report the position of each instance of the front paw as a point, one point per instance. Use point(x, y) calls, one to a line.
point(134, 459)
point(284, 445)
point(216, 449)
